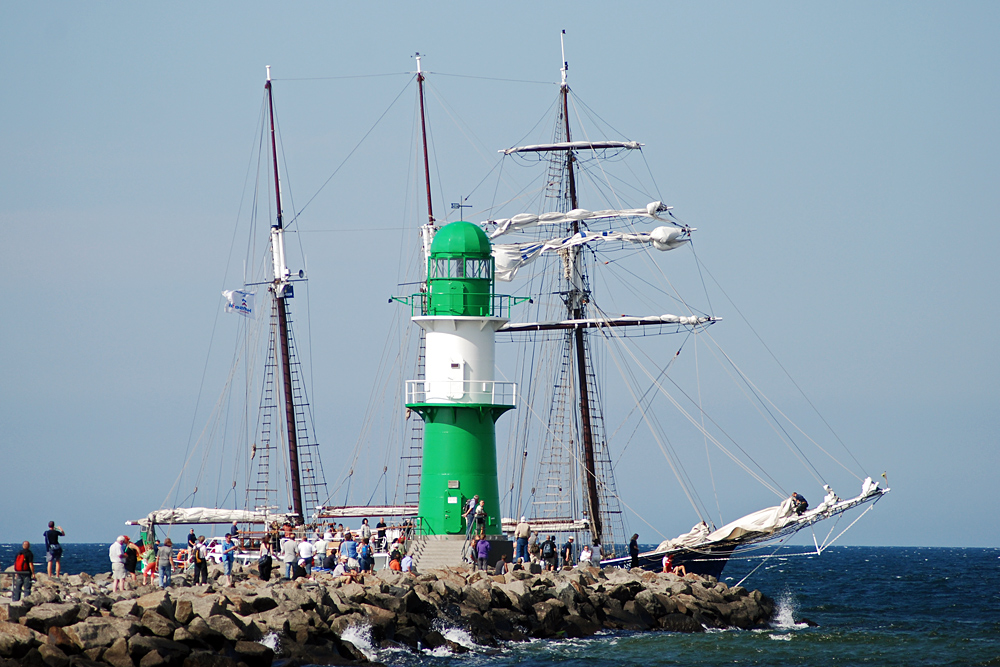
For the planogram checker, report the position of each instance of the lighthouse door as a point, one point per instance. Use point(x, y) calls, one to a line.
point(456, 380)
point(452, 512)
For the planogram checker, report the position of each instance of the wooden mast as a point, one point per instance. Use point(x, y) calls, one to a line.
point(281, 288)
point(423, 134)
point(575, 307)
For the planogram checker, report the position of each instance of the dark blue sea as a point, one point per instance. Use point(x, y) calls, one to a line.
point(873, 606)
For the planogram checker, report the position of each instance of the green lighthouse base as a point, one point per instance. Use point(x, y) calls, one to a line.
point(459, 462)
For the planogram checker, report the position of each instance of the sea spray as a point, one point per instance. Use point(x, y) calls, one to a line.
point(360, 635)
point(272, 640)
point(784, 613)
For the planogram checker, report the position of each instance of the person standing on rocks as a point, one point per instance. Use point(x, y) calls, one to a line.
point(200, 556)
point(289, 553)
point(469, 515)
point(521, 534)
point(483, 551)
point(131, 560)
point(149, 558)
point(366, 530)
point(481, 518)
point(24, 572)
point(549, 552)
point(633, 550)
point(306, 553)
point(534, 550)
point(349, 548)
point(164, 562)
point(229, 557)
point(53, 550)
point(116, 553)
point(596, 553)
point(566, 552)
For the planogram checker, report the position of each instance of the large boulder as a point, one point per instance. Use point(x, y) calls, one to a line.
point(99, 632)
point(16, 640)
point(117, 654)
point(158, 624)
point(43, 616)
point(53, 656)
point(254, 654)
point(159, 601)
point(170, 651)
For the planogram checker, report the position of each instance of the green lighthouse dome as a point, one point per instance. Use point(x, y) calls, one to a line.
point(460, 272)
point(461, 238)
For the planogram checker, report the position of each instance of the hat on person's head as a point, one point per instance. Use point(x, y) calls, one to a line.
point(523, 519)
point(570, 538)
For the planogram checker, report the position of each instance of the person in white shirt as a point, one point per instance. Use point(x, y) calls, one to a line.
point(117, 555)
point(407, 564)
point(289, 552)
point(306, 553)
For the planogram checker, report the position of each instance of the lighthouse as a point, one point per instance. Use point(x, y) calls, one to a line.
point(458, 399)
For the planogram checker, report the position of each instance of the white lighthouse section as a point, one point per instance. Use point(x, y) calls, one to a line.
point(459, 362)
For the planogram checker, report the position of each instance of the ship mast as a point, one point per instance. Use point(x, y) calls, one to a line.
point(575, 305)
point(281, 286)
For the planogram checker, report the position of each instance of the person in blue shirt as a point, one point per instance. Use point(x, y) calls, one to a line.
point(228, 558)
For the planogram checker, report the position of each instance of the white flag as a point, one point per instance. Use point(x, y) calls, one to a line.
point(238, 301)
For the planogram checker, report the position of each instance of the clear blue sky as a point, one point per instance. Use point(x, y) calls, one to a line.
point(840, 161)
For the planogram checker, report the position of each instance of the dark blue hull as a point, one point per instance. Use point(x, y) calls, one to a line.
point(709, 562)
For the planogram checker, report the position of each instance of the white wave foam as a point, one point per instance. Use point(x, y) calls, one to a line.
point(460, 637)
point(784, 617)
point(360, 634)
point(273, 641)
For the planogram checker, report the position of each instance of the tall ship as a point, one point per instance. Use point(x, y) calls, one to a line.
point(596, 364)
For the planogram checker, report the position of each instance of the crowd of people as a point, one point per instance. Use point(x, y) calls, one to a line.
point(345, 552)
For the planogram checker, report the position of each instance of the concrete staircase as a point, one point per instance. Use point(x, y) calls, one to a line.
point(442, 551)
point(437, 551)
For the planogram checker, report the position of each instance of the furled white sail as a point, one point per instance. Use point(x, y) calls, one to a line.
point(509, 257)
point(194, 515)
point(572, 145)
point(523, 221)
point(697, 535)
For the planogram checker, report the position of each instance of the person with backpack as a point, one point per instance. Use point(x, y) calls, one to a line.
point(266, 559)
point(365, 559)
point(199, 554)
point(549, 553)
point(24, 571)
point(53, 550)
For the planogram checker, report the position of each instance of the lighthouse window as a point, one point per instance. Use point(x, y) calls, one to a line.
point(461, 268)
point(477, 268)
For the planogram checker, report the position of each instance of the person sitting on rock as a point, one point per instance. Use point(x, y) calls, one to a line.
point(519, 565)
point(502, 565)
point(406, 565)
point(799, 504)
point(586, 555)
point(670, 568)
point(343, 570)
point(394, 562)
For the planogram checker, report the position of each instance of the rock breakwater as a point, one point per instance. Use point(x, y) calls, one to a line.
point(75, 621)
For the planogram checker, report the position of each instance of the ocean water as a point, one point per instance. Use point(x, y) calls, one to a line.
point(871, 606)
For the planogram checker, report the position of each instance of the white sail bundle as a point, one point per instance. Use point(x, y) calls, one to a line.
point(509, 257)
point(209, 515)
point(523, 221)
